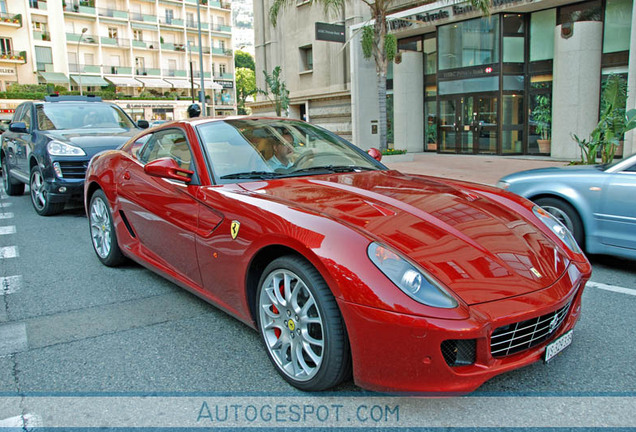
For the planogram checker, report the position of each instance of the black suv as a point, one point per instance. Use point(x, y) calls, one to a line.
point(49, 144)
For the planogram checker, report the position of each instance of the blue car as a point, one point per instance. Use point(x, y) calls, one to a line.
point(596, 203)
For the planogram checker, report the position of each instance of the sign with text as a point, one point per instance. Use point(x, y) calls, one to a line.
point(330, 32)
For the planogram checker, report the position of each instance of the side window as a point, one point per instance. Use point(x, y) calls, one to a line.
point(26, 116)
point(170, 143)
point(631, 169)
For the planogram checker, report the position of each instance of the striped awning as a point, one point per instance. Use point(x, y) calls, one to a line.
point(181, 83)
point(54, 77)
point(154, 82)
point(123, 81)
point(89, 80)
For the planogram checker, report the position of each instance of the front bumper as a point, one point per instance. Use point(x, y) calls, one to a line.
point(69, 187)
point(402, 353)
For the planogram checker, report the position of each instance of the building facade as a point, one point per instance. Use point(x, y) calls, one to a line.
point(521, 81)
point(138, 48)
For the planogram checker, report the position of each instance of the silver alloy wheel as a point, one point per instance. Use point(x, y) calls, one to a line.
point(100, 227)
point(291, 325)
point(38, 193)
point(561, 216)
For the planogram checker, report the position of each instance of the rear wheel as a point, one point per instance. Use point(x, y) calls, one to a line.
point(11, 186)
point(301, 325)
point(103, 234)
point(40, 196)
point(566, 214)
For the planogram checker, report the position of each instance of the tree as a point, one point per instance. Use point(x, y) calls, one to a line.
point(278, 90)
point(245, 86)
point(244, 59)
point(375, 43)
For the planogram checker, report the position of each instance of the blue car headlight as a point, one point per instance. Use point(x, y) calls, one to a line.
point(413, 281)
point(557, 228)
point(58, 148)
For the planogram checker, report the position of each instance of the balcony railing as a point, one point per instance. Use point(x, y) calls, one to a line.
point(136, 16)
point(171, 21)
point(118, 70)
point(85, 68)
point(174, 73)
point(38, 4)
point(84, 7)
point(119, 42)
point(43, 36)
point(145, 44)
point(224, 76)
point(222, 51)
point(197, 74)
point(89, 39)
point(222, 28)
point(13, 57)
point(112, 13)
point(12, 20)
point(147, 71)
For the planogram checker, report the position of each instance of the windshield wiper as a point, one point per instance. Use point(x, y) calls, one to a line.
point(252, 175)
point(332, 169)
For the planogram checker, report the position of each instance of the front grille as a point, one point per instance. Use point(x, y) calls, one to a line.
point(459, 352)
point(523, 335)
point(73, 169)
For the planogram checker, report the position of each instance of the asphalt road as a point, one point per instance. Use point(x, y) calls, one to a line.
point(69, 325)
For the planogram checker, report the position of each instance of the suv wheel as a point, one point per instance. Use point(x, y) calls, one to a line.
point(12, 186)
point(40, 196)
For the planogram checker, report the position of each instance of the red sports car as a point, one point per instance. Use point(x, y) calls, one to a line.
point(413, 283)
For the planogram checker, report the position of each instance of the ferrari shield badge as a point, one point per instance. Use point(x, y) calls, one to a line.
point(234, 229)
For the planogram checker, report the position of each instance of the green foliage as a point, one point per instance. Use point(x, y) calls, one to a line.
point(245, 87)
point(612, 126)
point(244, 59)
point(390, 46)
point(389, 152)
point(368, 35)
point(542, 114)
point(275, 86)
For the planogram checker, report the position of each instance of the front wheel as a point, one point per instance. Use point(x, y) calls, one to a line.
point(103, 234)
point(566, 214)
point(40, 196)
point(301, 325)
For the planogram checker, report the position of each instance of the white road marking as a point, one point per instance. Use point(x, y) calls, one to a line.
point(14, 338)
point(24, 422)
point(5, 204)
point(10, 284)
point(8, 252)
point(7, 215)
point(10, 229)
point(612, 288)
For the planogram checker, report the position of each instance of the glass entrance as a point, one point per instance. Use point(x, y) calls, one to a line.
point(468, 124)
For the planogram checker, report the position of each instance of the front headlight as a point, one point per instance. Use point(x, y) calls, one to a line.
point(57, 148)
point(412, 281)
point(557, 228)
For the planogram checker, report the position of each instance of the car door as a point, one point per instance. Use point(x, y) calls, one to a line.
point(163, 213)
point(17, 144)
point(617, 218)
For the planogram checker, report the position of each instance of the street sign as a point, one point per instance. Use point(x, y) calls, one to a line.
point(330, 32)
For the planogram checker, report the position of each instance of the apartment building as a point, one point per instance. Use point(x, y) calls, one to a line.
point(142, 48)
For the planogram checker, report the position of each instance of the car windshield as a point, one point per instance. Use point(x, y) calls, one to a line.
point(255, 149)
point(91, 115)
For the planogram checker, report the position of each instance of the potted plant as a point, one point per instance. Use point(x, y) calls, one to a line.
point(542, 115)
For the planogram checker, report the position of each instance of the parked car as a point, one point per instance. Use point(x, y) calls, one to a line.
point(596, 203)
point(49, 143)
point(419, 284)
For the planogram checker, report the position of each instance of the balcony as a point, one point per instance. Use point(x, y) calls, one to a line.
point(148, 72)
point(13, 57)
point(86, 68)
point(177, 22)
point(112, 13)
point(115, 42)
point(145, 44)
point(222, 28)
point(118, 70)
point(41, 36)
point(222, 51)
point(192, 24)
point(86, 39)
point(174, 73)
point(84, 7)
point(135, 16)
point(224, 76)
point(11, 20)
point(197, 74)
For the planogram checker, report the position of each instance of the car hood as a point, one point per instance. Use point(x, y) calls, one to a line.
point(539, 173)
point(478, 248)
point(94, 141)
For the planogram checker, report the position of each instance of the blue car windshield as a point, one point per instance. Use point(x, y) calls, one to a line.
point(269, 148)
point(63, 116)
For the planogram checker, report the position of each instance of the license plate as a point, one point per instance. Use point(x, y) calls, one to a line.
point(557, 346)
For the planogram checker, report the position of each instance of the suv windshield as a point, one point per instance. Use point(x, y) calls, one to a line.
point(60, 116)
point(267, 148)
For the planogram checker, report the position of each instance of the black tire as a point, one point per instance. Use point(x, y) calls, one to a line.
point(39, 195)
point(319, 330)
point(566, 214)
point(12, 186)
point(102, 231)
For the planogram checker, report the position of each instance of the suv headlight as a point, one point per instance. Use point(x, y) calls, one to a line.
point(57, 148)
point(412, 281)
point(557, 228)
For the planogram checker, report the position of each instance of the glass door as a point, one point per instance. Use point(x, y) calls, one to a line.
point(468, 124)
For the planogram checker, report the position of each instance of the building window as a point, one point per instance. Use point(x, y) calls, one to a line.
point(140, 66)
point(43, 57)
point(588, 11)
point(542, 26)
point(138, 35)
point(6, 46)
point(469, 43)
point(190, 22)
point(222, 44)
point(169, 16)
point(112, 32)
point(222, 69)
point(306, 58)
point(3, 6)
point(618, 26)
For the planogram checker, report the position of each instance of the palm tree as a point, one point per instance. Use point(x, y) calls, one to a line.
point(378, 38)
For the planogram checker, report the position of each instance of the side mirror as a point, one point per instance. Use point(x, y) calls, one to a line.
point(375, 154)
point(18, 127)
point(143, 124)
point(168, 168)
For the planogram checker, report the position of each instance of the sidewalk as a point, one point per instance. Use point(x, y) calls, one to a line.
point(474, 168)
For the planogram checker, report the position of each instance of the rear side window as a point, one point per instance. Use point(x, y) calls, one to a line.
point(25, 116)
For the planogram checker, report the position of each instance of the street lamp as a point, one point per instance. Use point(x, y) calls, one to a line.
point(79, 63)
